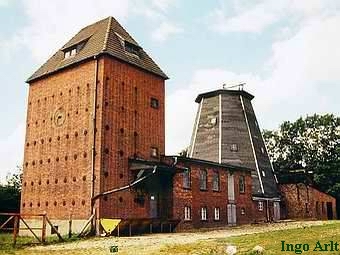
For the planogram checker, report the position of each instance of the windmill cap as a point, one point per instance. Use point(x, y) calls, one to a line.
point(224, 92)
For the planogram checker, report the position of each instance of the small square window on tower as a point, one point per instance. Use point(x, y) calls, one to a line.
point(154, 103)
point(154, 152)
point(234, 147)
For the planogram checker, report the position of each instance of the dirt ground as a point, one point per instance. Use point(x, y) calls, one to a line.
point(153, 243)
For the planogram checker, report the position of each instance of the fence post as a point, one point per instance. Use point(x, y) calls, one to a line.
point(43, 231)
point(70, 226)
point(15, 230)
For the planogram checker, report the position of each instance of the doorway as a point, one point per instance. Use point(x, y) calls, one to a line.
point(153, 205)
point(231, 211)
point(329, 210)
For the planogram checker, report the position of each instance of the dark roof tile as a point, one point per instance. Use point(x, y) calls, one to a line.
point(101, 38)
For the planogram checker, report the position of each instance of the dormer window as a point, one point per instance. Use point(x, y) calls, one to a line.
point(73, 50)
point(70, 53)
point(131, 48)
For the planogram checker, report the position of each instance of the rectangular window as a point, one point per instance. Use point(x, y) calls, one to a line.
point(73, 52)
point(187, 213)
point(203, 179)
point(67, 54)
point(154, 152)
point(306, 207)
point(241, 184)
point(234, 147)
point(217, 213)
point(187, 178)
point(203, 213)
point(323, 207)
point(154, 103)
point(260, 205)
point(243, 211)
point(216, 181)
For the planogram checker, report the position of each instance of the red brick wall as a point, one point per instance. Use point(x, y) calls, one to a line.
point(195, 198)
point(130, 128)
point(57, 161)
point(126, 127)
point(299, 197)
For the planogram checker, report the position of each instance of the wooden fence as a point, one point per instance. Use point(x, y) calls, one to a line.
point(17, 218)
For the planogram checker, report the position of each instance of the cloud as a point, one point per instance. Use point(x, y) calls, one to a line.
point(164, 5)
point(255, 18)
point(302, 77)
point(11, 156)
point(164, 31)
point(251, 20)
point(51, 24)
point(4, 3)
point(47, 29)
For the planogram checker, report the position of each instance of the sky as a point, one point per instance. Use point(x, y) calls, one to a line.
point(286, 51)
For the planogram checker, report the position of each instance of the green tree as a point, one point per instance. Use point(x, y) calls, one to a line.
point(10, 192)
point(312, 143)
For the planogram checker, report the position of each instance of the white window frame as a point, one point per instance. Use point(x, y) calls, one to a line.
point(67, 54)
point(203, 213)
point(260, 205)
point(73, 51)
point(234, 147)
point(187, 213)
point(216, 213)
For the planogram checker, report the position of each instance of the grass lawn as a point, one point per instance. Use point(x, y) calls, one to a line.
point(270, 241)
point(6, 243)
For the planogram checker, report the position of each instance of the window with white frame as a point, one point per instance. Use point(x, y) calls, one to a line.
point(216, 213)
point(243, 211)
point(234, 147)
point(203, 213)
point(70, 52)
point(187, 213)
point(260, 205)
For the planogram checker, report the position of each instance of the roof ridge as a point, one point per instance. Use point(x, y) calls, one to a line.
point(131, 39)
point(108, 29)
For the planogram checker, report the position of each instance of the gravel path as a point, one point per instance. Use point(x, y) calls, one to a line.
point(150, 243)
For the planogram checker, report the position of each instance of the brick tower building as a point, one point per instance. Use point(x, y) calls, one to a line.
point(95, 104)
point(226, 131)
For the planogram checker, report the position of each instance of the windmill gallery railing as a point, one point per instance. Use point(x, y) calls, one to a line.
point(12, 223)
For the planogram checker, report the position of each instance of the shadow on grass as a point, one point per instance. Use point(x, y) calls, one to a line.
point(7, 247)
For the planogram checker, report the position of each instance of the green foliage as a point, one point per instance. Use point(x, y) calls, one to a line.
point(10, 193)
point(312, 143)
